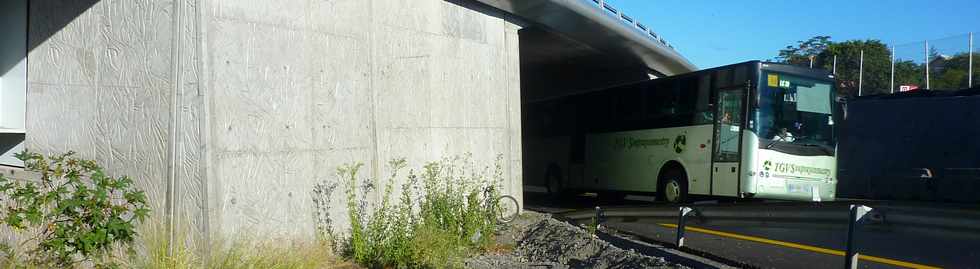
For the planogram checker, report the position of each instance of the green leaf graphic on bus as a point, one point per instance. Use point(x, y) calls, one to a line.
point(679, 143)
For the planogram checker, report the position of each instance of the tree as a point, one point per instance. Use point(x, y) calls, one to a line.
point(802, 53)
point(946, 72)
point(877, 66)
point(952, 74)
point(908, 72)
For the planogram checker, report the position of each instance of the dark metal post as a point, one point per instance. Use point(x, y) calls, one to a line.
point(681, 219)
point(851, 255)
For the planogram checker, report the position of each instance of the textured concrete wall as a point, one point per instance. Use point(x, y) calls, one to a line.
point(116, 81)
point(229, 111)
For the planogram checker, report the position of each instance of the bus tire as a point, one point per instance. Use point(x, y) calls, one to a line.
point(553, 181)
point(672, 187)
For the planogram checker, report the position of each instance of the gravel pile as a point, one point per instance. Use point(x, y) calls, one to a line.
point(542, 242)
point(508, 261)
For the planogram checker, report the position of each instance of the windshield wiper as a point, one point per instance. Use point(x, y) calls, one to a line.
point(795, 138)
point(826, 149)
point(769, 146)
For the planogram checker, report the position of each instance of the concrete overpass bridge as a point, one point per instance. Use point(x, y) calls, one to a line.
point(578, 45)
point(228, 113)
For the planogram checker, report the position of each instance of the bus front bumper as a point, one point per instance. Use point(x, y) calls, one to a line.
point(795, 189)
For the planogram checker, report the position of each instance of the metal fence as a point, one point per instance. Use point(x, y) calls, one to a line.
point(608, 9)
point(949, 63)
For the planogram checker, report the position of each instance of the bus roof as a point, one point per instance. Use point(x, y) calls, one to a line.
point(799, 70)
point(771, 66)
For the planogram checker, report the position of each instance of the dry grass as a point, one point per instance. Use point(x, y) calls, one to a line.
point(499, 248)
point(236, 253)
point(151, 251)
point(270, 254)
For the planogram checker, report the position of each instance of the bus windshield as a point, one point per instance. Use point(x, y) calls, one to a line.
point(795, 115)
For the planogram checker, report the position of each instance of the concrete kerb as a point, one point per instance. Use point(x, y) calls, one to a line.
point(917, 217)
point(684, 256)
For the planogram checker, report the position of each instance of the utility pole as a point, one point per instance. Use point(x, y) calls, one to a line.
point(926, 50)
point(970, 72)
point(861, 74)
point(892, 87)
point(835, 64)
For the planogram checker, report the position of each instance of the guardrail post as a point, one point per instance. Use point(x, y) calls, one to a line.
point(599, 217)
point(681, 219)
point(856, 213)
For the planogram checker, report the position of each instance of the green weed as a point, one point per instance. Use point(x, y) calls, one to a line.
point(443, 214)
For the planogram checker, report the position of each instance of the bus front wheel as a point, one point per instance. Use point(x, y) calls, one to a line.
point(673, 187)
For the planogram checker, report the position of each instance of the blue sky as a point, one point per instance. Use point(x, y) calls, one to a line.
point(713, 33)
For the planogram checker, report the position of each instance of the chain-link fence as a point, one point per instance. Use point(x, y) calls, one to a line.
point(941, 64)
point(949, 63)
point(909, 67)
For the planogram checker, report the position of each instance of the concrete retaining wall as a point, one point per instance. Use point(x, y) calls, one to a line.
point(228, 111)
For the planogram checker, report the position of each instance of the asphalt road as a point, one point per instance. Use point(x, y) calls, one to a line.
point(782, 246)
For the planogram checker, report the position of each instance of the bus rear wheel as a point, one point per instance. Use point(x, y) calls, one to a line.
point(672, 187)
point(553, 181)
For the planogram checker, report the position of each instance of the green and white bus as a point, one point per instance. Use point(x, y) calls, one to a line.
point(752, 129)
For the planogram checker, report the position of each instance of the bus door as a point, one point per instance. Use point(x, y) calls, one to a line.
point(726, 155)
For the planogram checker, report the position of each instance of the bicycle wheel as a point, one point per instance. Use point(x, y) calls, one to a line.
point(508, 208)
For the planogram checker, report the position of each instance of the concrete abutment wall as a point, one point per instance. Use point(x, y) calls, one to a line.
point(227, 112)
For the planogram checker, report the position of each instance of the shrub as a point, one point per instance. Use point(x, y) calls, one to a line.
point(74, 212)
point(434, 226)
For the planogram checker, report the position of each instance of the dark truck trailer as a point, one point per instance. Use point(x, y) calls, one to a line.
point(922, 145)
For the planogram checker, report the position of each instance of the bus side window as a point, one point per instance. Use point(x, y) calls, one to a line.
point(660, 103)
point(686, 100)
point(741, 75)
point(629, 106)
point(541, 115)
point(723, 78)
point(596, 109)
point(703, 113)
point(564, 118)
